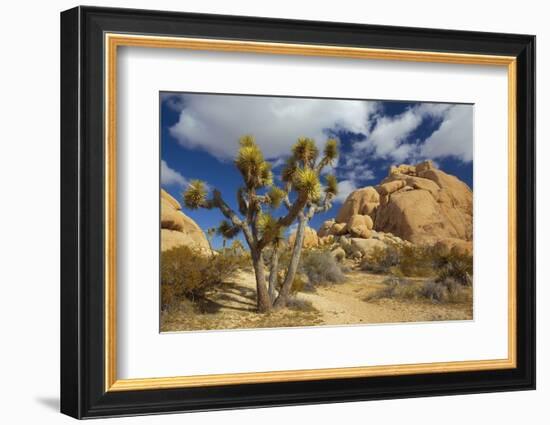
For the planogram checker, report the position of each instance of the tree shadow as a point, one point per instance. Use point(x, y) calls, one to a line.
point(231, 296)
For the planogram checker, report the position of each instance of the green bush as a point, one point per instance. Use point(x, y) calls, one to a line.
point(447, 291)
point(187, 274)
point(381, 260)
point(455, 265)
point(421, 261)
point(395, 287)
point(321, 267)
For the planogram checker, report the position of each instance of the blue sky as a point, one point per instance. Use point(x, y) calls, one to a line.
point(199, 138)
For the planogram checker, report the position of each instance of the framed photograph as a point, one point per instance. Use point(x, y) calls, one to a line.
point(261, 212)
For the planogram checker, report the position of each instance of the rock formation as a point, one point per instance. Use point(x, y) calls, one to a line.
point(311, 239)
point(178, 229)
point(416, 204)
point(425, 205)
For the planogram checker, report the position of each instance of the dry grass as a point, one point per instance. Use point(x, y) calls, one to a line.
point(446, 291)
point(297, 315)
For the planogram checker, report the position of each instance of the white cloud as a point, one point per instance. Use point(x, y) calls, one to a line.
point(170, 176)
point(214, 123)
point(389, 134)
point(454, 136)
point(345, 187)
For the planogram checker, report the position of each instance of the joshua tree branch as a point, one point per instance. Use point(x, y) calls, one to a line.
point(295, 209)
point(218, 202)
point(322, 164)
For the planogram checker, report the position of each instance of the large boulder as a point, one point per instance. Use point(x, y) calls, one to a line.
point(438, 207)
point(391, 186)
point(365, 247)
point(359, 226)
point(311, 240)
point(362, 201)
point(324, 230)
point(178, 229)
point(414, 204)
point(339, 254)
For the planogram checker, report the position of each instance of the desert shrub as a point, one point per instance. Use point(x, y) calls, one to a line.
point(417, 260)
point(455, 265)
point(447, 291)
point(421, 261)
point(189, 274)
point(381, 260)
point(321, 267)
point(299, 304)
point(395, 287)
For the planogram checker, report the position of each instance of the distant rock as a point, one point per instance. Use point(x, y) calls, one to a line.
point(437, 207)
point(339, 254)
point(362, 201)
point(414, 204)
point(325, 229)
point(176, 228)
point(311, 240)
point(359, 226)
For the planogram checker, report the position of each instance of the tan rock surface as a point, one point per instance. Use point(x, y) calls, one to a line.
point(359, 226)
point(324, 230)
point(311, 240)
point(177, 228)
point(439, 207)
point(362, 201)
point(338, 229)
point(365, 246)
point(390, 187)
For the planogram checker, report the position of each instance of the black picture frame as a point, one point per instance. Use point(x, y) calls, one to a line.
point(82, 212)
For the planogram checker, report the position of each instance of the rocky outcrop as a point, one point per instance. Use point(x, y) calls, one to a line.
point(311, 239)
point(362, 201)
point(425, 206)
point(178, 229)
point(359, 226)
point(414, 204)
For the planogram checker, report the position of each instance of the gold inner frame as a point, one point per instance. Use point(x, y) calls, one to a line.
point(113, 41)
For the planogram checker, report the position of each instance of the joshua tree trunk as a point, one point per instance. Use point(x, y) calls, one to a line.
point(273, 273)
point(282, 299)
point(264, 302)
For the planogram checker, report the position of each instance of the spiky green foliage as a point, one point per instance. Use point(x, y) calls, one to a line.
point(247, 140)
point(227, 230)
point(289, 170)
point(332, 185)
point(266, 175)
point(331, 150)
point(306, 181)
point(268, 225)
point(305, 150)
point(195, 195)
point(250, 162)
point(276, 196)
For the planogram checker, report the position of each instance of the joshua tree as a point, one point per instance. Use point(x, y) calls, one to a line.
point(258, 198)
point(302, 172)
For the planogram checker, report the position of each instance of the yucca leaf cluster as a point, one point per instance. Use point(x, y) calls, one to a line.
point(256, 171)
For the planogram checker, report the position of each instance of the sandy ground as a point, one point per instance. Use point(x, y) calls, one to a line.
point(233, 307)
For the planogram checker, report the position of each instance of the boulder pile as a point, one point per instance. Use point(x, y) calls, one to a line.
point(414, 204)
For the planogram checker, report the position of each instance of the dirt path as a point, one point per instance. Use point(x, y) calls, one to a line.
point(346, 303)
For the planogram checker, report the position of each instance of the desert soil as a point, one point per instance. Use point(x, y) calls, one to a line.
point(233, 307)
